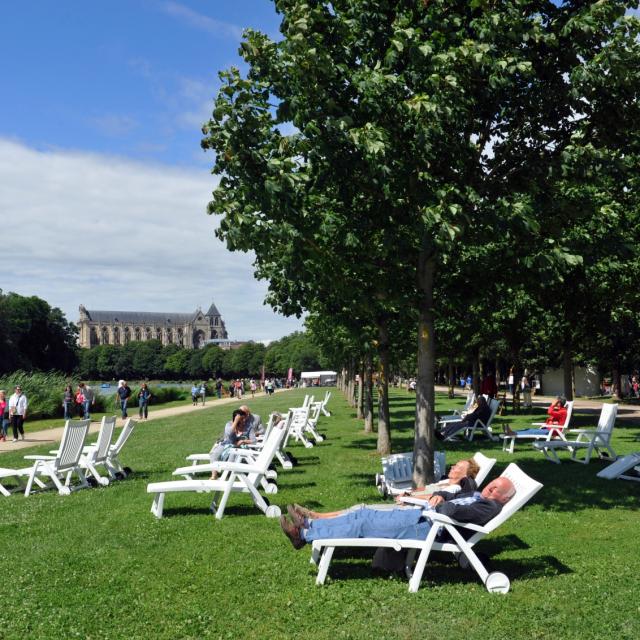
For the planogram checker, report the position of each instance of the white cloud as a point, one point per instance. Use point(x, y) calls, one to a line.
point(115, 234)
point(200, 21)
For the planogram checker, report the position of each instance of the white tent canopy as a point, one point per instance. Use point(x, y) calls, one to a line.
point(318, 374)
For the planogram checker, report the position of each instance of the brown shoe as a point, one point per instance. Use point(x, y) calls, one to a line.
point(296, 517)
point(305, 513)
point(292, 532)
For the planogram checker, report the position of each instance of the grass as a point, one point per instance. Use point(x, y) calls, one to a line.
point(97, 564)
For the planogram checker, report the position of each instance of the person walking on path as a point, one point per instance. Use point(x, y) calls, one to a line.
point(67, 402)
point(144, 395)
point(18, 412)
point(123, 394)
point(202, 392)
point(219, 388)
point(89, 400)
point(4, 415)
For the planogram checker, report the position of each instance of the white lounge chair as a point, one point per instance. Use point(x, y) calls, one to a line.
point(298, 428)
point(589, 440)
point(526, 488)
point(95, 455)
point(60, 467)
point(324, 403)
point(237, 477)
point(19, 475)
point(478, 425)
point(460, 413)
point(624, 468)
point(252, 451)
point(552, 431)
point(400, 478)
point(112, 462)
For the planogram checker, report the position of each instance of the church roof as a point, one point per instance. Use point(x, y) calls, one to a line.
point(141, 317)
point(213, 310)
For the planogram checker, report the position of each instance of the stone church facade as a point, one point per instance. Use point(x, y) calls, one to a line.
point(189, 330)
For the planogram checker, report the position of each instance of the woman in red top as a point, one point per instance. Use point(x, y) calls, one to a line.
point(4, 409)
point(557, 411)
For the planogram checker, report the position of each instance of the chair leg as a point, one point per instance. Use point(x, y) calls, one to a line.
point(323, 567)
point(157, 505)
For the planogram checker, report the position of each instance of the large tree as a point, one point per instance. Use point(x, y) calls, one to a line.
point(416, 126)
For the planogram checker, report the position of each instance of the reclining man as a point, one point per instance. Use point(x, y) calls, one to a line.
point(399, 524)
point(482, 411)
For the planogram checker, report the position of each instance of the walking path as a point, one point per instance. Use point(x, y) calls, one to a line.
point(52, 436)
point(626, 413)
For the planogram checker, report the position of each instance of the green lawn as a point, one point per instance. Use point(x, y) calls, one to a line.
point(97, 564)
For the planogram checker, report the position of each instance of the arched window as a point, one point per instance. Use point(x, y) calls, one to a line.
point(215, 321)
point(169, 336)
point(158, 334)
point(137, 334)
point(104, 333)
point(93, 336)
point(116, 335)
point(147, 333)
point(127, 335)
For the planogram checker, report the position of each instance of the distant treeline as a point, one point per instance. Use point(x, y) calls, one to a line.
point(151, 360)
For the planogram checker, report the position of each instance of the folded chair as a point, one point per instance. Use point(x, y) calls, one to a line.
point(551, 432)
point(589, 440)
point(60, 467)
point(237, 477)
point(526, 488)
point(624, 468)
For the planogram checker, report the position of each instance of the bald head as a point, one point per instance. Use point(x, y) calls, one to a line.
point(501, 490)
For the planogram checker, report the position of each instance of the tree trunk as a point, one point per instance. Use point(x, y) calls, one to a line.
point(617, 380)
point(425, 393)
point(384, 420)
point(360, 413)
point(567, 364)
point(476, 373)
point(451, 382)
point(368, 393)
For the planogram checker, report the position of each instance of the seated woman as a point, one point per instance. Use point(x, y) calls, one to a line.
point(239, 431)
point(460, 480)
point(557, 417)
point(482, 411)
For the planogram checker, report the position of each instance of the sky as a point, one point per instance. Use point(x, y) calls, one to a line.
point(103, 184)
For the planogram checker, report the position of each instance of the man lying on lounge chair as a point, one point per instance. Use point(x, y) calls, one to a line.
point(399, 523)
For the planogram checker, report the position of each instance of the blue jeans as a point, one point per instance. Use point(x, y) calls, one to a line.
point(533, 432)
point(87, 406)
point(399, 524)
point(68, 410)
point(123, 407)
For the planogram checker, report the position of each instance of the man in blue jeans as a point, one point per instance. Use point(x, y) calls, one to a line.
point(400, 523)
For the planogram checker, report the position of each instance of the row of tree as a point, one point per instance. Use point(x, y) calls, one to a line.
point(139, 360)
point(442, 179)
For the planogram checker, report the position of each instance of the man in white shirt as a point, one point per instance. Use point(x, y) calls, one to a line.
point(18, 412)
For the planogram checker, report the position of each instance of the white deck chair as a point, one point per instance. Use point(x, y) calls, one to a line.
point(478, 426)
point(112, 462)
point(397, 472)
point(324, 403)
point(251, 452)
point(311, 427)
point(460, 413)
point(397, 487)
point(95, 455)
point(526, 488)
point(60, 467)
point(553, 431)
point(589, 440)
point(621, 468)
point(237, 477)
point(19, 475)
point(298, 426)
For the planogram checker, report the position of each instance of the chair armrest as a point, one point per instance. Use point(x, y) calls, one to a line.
point(39, 457)
point(238, 467)
point(441, 518)
point(417, 501)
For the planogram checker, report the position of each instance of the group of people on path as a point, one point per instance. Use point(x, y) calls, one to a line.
point(78, 402)
point(14, 412)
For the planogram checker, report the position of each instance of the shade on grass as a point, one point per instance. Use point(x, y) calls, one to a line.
point(98, 565)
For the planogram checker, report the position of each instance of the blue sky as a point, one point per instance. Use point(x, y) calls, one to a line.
point(103, 185)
